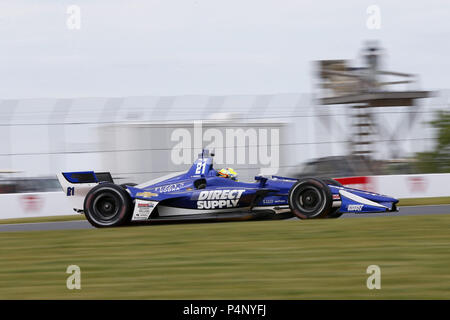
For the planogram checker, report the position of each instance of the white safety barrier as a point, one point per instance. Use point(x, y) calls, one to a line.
point(403, 186)
point(23, 205)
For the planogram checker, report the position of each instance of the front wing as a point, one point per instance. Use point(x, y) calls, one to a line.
point(354, 202)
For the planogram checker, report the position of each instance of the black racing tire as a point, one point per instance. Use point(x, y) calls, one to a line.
point(108, 205)
point(334, 213)
point(310, 198)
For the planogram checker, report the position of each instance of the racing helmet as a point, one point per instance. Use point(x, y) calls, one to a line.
point(227, 173)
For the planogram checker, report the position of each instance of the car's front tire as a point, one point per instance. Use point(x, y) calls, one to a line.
point(108, 205)
point(310, 198)
point(334, 213)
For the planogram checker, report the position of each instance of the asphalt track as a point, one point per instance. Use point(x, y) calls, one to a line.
point(83, 224)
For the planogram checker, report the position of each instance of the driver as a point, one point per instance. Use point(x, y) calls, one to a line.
point(228, 173)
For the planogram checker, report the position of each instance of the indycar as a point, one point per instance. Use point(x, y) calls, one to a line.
point(201, 194)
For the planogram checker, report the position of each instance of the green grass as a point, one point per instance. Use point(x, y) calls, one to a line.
point(424, 201)
point(241, 260)
point(43, 219)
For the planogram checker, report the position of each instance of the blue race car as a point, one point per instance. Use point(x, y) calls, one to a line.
point(203, 193)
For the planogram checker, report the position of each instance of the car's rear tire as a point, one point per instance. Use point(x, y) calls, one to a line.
point(108, 205)
point(310, 198)
point(334, 213)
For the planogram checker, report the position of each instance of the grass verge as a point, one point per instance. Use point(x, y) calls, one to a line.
point(43, 219)
point(424, 201)
point(315, 259)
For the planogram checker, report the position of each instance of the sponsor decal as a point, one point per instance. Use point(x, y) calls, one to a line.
point(355, 207)
point(417, 184)
point(336, 197)
point(143, 210)
point(170, 187)
point(144, 205)
point(32, 203)
point(216, 199)
point(146, 194)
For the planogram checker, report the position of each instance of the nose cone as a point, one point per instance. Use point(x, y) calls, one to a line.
point(389, 199)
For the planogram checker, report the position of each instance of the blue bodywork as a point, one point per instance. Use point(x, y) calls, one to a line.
point(74, 177)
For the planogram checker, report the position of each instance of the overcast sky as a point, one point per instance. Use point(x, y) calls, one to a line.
point(169, 47)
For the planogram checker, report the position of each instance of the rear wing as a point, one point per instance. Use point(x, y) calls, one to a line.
point(87, 177)
point(77, 184)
